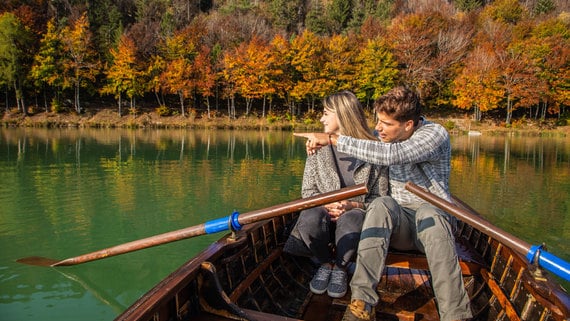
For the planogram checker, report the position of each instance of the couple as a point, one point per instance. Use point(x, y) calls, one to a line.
point(410, 149)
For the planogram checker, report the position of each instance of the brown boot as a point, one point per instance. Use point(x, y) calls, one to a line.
point(359, 310)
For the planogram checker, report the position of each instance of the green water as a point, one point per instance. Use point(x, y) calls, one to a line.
point(68, 192)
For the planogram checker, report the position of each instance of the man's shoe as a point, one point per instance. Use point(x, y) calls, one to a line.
point(320, 281)
point(337, 283)
point(359, 310)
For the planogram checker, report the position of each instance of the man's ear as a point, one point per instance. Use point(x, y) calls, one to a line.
point(409, 125)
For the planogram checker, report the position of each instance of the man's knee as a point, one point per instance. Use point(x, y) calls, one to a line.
point(384, 207)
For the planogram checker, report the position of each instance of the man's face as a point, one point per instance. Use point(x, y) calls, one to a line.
point(391, 131)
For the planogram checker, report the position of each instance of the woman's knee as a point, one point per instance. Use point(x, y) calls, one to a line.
point(351, 220)
point(312, 216)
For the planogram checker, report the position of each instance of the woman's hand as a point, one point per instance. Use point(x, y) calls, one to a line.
point(336, 209)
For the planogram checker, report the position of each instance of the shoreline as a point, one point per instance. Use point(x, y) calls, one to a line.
point(456, 125)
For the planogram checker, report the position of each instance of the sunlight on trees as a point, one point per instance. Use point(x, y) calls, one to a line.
point(266, 57)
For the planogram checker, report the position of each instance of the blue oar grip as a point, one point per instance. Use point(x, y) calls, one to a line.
point(223, 224)
point(217, 225)
point(549, 261)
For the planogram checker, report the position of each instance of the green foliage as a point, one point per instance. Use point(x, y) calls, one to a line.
point(340, 13)
point(507, 11)
point(285, 14)
point(544, 7)
point(15, 40)
point(468, 5)
point(163, 110)
point(56, 105)
point(47, 68)
point(272, 118)
point(316, 20)
point(449, 124)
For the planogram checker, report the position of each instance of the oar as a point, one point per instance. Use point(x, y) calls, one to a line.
point(533, 253)
point(234, 221)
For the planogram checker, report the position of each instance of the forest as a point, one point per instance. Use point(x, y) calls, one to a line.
point(502, 58)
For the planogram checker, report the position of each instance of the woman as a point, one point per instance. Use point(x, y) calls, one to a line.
point(337, 223)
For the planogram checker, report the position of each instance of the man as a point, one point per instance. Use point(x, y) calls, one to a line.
point(419, 151)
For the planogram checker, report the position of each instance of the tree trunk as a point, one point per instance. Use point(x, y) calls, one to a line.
point(120, 105)
point(181, 103)
point(509, 110)
point(77, 105)
point(263, 111)
point(208, 106)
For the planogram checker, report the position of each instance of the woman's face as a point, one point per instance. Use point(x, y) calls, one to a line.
point(330, 122)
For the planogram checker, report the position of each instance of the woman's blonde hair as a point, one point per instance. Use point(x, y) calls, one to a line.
point(351, 119)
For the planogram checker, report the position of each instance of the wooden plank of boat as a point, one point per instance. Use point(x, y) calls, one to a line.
point(250, 278)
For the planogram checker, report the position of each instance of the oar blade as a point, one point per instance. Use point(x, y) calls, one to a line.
point(37, 261)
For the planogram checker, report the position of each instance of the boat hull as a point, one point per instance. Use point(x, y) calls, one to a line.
point(246, 276)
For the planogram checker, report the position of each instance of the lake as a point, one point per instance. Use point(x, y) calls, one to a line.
point(67, 192)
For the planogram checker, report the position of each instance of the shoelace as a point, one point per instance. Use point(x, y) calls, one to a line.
point(338, 276)
point(323, 274)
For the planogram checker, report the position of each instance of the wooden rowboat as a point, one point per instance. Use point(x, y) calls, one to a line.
point(246, 276)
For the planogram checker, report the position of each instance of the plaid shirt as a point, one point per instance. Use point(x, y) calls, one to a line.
point(424, 159)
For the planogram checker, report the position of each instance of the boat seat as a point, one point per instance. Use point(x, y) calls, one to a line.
point(469, 260)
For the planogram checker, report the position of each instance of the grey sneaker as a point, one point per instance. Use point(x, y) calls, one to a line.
point(337, 284)
point(320, 281)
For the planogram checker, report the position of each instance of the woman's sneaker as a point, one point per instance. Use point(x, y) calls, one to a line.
point(337, 283)
point(320, 281)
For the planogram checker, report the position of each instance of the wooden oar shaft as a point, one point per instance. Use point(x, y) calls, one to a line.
point(301, 204)
point(533, 254)
point(472, 219)
point(201, 229)
point(135, 245)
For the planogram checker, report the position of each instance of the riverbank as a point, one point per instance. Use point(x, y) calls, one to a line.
point(105, 118)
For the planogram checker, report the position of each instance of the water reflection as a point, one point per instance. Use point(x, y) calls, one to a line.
point(66, 192)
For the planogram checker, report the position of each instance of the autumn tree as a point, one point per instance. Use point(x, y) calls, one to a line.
point(179, 53)
point(47, 69)
point(284, 73)
point(203, 76)
point(430, 45)
point(338, 70)
point(14, 39)
point(153, 73)
point(549, 48)
point(308, 60)
point(80, 61)
point(248, 69)
point(476, 86)
point(504, 26)
point(376, 70)
point(124, 76)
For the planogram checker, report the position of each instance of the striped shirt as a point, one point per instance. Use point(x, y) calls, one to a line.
point(424, 159)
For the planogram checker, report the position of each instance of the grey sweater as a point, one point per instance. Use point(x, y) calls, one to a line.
point(320, 176)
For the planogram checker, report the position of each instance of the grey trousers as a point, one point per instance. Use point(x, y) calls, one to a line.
point(427, 229)
point(314, 232)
